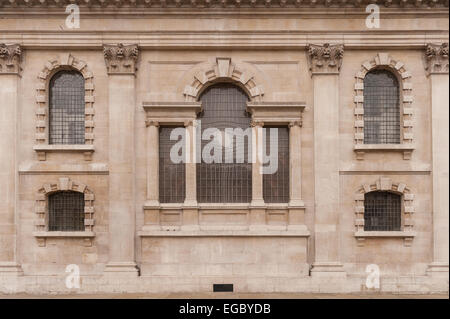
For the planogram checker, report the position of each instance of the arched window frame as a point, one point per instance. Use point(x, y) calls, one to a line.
point(52, 67)
point(383, 61)
point(41, 209)
point(385, 184)
point(188, 215)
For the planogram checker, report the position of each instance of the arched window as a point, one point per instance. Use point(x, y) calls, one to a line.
point(381, 108)
point(67, 108)
point(224, 107)
point(382, 211)
point(66, 211)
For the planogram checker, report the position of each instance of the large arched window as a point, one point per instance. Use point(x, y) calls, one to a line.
point(381, 108)
point(67, 108)
point(66, 211)
point(224, 107)
point(382, 211)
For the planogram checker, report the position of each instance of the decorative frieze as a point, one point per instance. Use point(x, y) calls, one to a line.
point(121, 59)
point(437, 58)
point(88, 4)
point(10, 58)
point(325, 58)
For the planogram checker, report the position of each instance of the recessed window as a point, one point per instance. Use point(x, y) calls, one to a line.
point(276, 185)
point(382, 211)
point(67, 108)
point(224, 107)
point(381, 108)
point(66, 211)
point(172, 176)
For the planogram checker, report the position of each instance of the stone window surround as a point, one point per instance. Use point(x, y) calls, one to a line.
point(67, 62)
point(406, 146)
point(41, 209)
point(407, 198)
point(184, 113)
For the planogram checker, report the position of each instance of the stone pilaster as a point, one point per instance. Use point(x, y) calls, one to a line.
point(437, 68)
point(296, 205)
point(324, 62)
point(190, 209)
point(257, 206)
point(121, 64)
point(10, 67)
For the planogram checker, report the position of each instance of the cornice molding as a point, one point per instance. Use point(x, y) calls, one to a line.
point(121, 59)
point(325, 59)
point(224, 4)
point(10, 58)
point(437, 58)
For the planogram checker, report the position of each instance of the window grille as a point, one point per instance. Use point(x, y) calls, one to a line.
point(66, 211)
point(382, 211)
point(381, 108)
point(224, 107)
point(276, 186)
point(172, 176)
point(66, 108)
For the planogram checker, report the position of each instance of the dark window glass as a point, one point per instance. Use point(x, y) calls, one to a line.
point(381, 108)
point(382, 211)
point(66, 108)
point(172, 176)
point(66, 211)
point(224, 107)
point(276, 185)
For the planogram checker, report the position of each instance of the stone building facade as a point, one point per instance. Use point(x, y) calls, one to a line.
point(305, 66)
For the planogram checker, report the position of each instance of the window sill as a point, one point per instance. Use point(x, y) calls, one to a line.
point(225, 233)
point(41, 236)
point(87, 149)
point(406, 235)
point(406, 149)
point(220, 206)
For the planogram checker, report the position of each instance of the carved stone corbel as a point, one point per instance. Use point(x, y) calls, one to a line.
point(10, 59)
point(325, 58)
point(121, 59)
point(437, 58)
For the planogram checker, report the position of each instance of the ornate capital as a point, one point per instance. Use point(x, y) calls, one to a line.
point(256, 123)
point(121, 59)
point(295, 123)
point(437, 58)
point(151, 123)
point(325, 58)
point(10, 58)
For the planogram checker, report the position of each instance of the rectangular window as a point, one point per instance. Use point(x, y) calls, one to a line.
point(276, 185)
point(172, 176)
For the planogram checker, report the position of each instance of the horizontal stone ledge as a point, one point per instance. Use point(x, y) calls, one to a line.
point(384, 147)
point(66, 234)
point(64, 147)
point(225, 233)
point(385, 234)
point(221, 206)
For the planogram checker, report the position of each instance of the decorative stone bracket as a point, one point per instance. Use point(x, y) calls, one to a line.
point(325, 59)
point(63, 184)
point(385, 184)
point(437, 58)
point(384, 60)
point(121, 59)
point(10, 58)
